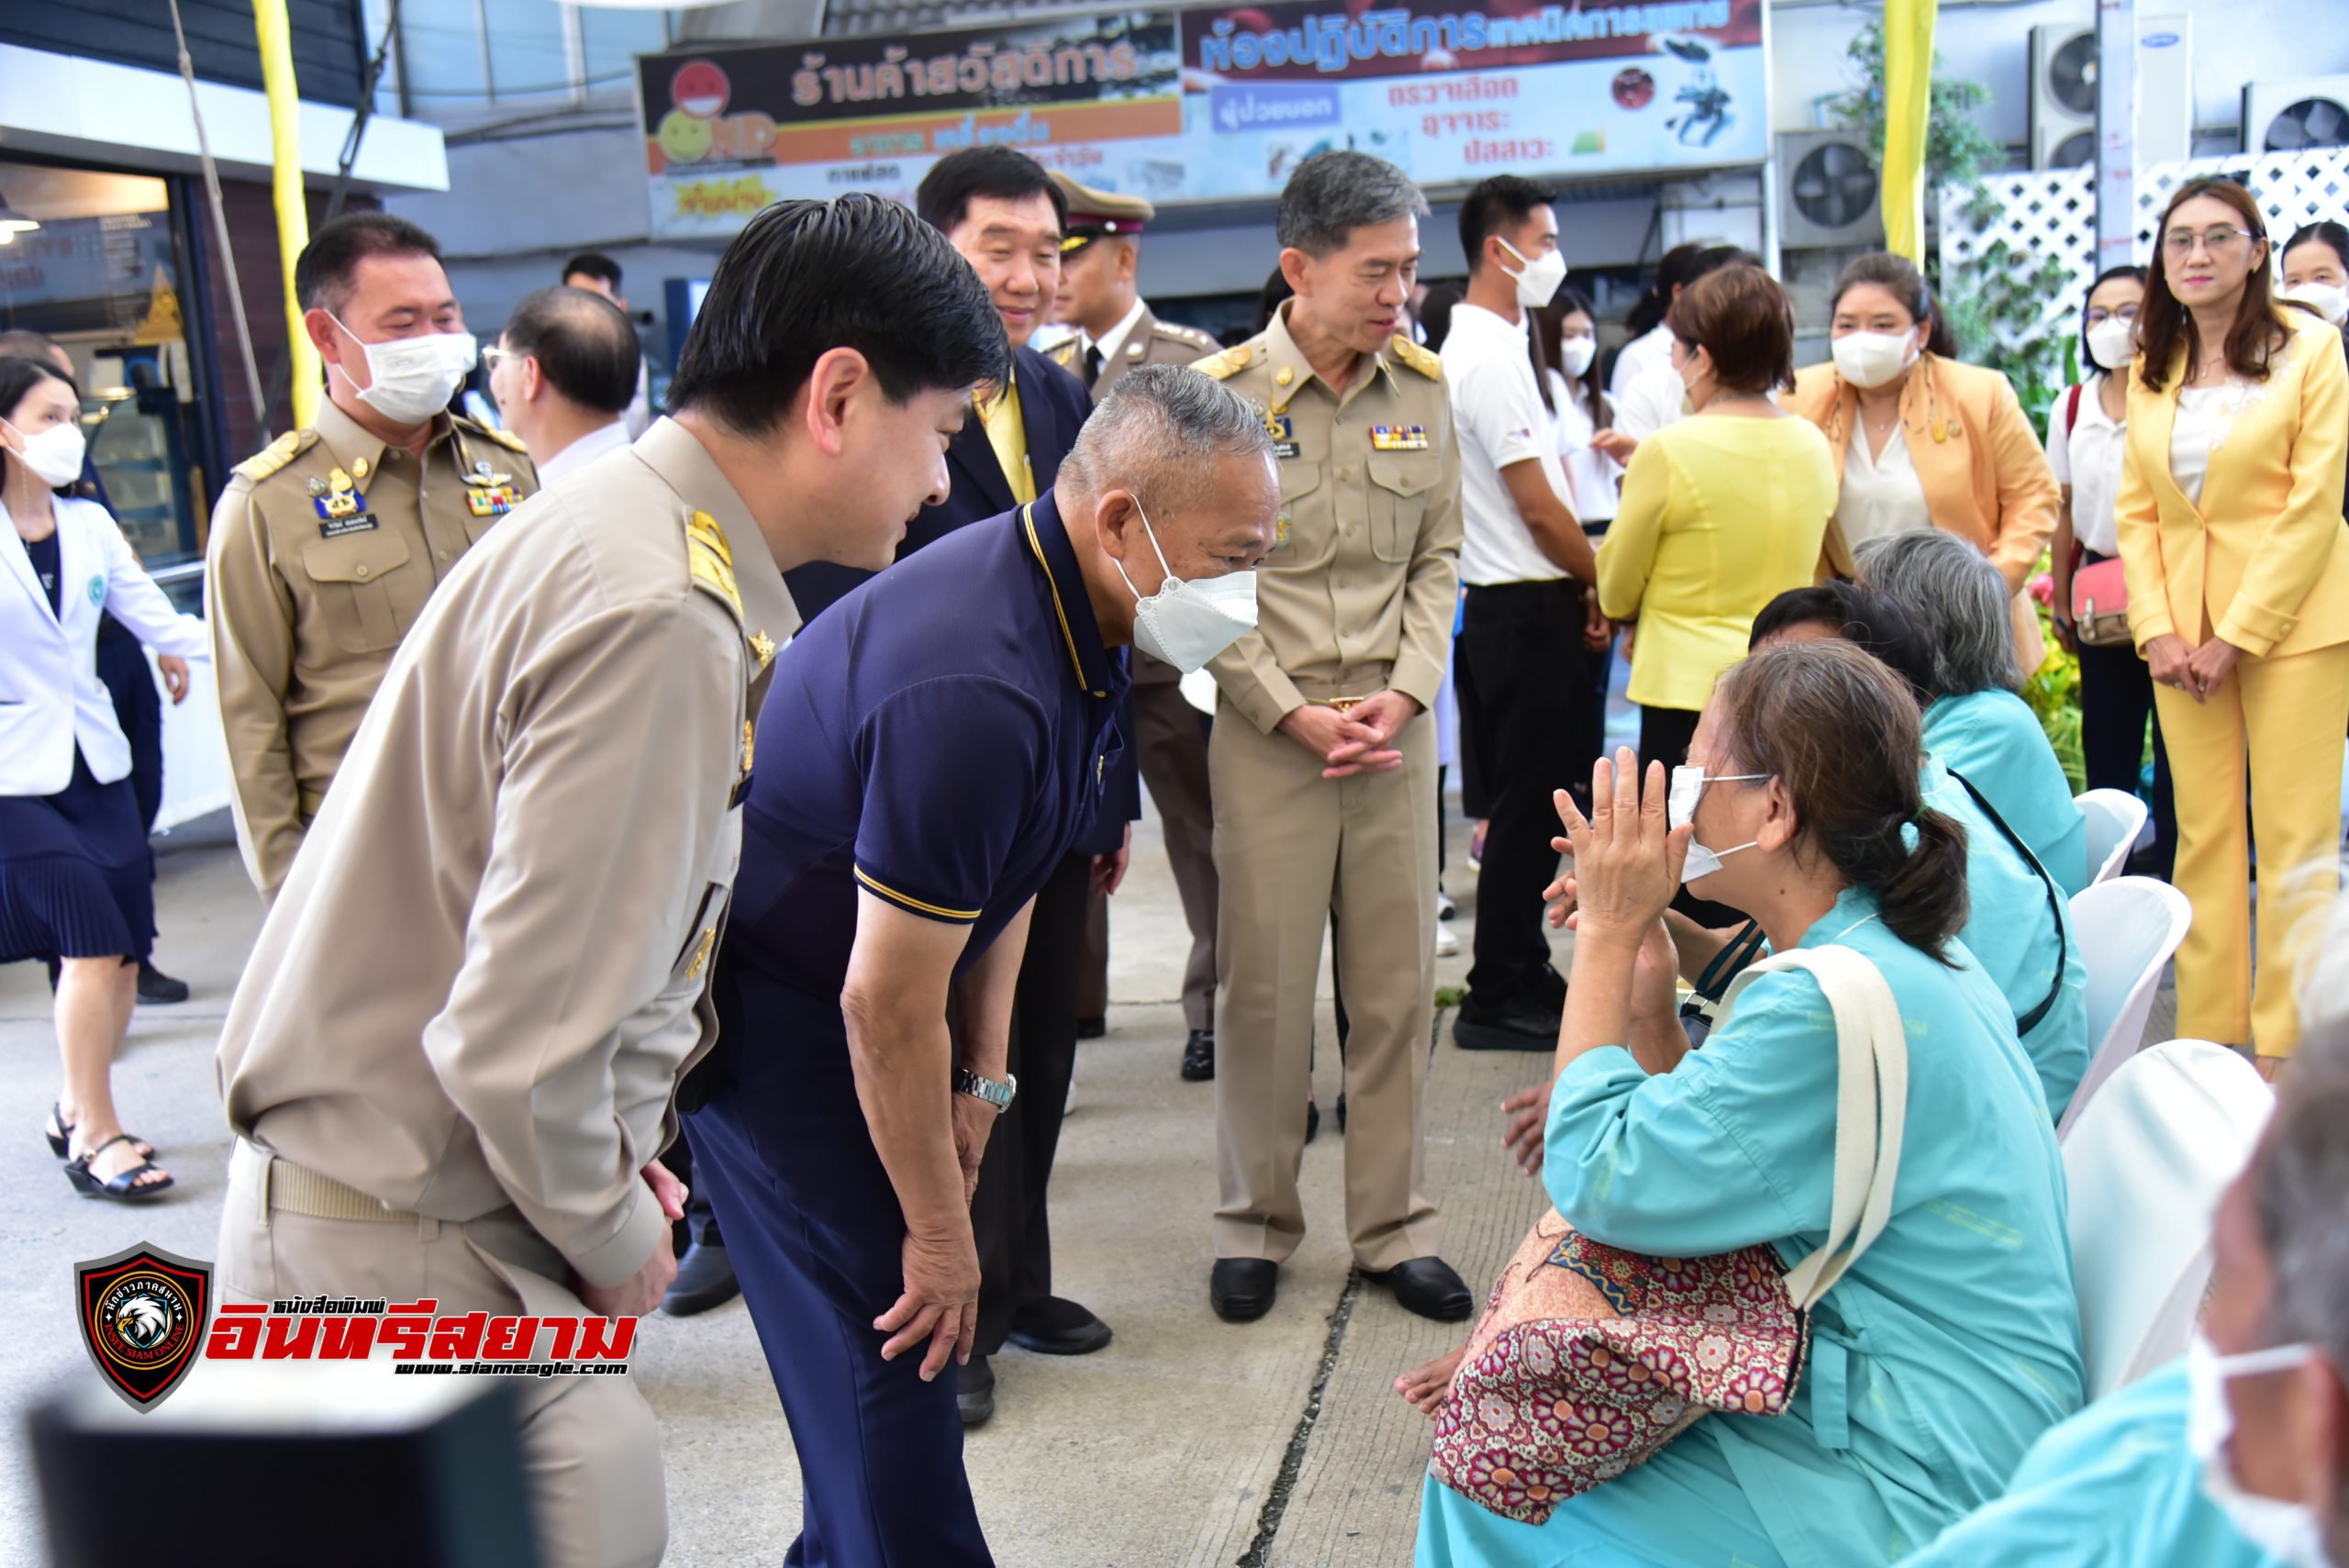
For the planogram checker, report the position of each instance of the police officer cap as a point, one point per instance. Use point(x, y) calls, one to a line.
point(1092, 214)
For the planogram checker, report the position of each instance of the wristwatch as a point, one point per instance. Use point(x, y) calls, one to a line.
point(997, 1094)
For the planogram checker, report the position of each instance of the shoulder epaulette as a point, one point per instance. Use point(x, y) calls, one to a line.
point(1189, 337)
point(1417, 357)
point(1227, 365)
point(507, 439)
point(276, 455)
point(712, 561)
point(1063, 353)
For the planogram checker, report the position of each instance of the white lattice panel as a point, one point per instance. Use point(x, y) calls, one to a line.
point(2051, 213)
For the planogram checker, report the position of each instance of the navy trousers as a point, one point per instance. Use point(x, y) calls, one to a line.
point(815, 1234)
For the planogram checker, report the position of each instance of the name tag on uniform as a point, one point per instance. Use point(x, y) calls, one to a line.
point(1283, 435)
point(1398, 438)
point(335, 528)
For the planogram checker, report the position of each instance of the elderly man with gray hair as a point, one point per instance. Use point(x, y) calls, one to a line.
point(949, 724)
point(1975, 720)
point(1324, 784)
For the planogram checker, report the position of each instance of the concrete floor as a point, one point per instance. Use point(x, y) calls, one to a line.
point(1186, 1441)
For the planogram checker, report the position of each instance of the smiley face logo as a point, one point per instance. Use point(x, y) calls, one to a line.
point(683, 138)
point(700, 89)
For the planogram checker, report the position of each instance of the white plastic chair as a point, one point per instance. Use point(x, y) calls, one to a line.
point(2145, 1168)
point(2127, 929)
point(2115, 820)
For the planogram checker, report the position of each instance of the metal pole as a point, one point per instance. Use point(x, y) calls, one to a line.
point(219, 222)
point(2116, 133)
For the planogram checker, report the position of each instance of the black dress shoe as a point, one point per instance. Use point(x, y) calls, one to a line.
point(1427, 1287)
point(1242, 1289)
point(974, 1391)
point(1524, 1023)
point(704, 1279)
point(1312, 1121)
point(155, 987)
point(1092, 1028)
point(1198, 1057)
point(1058, 1327)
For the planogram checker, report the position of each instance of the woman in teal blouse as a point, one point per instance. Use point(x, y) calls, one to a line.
point(1975, 722)
point(1954, 1341)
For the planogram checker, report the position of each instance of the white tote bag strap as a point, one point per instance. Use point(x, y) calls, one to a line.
point(1871, 1106)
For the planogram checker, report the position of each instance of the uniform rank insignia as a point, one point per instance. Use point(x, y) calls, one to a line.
point(490, 495)
point(1280, 531)
point(1283, 435)
point(1398, 438)
point(341, 509)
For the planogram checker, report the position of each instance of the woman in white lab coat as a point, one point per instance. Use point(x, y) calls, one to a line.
point(75, 880)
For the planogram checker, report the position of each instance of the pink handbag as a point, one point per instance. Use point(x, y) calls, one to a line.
point(2100, 605)
point(1588, 1359)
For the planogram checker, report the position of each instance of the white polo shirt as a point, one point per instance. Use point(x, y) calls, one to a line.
point(2088, 457)
point(1497, 408)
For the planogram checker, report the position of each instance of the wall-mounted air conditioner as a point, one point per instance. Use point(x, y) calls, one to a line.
point(2063, 93)
point(2284, 116)
point(1827, 190)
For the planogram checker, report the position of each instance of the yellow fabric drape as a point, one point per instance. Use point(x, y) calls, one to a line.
point(1908, 106)
point(285, 186)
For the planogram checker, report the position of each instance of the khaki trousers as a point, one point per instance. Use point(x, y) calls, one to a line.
point(590, 1449)
point(1174, 742)
point(2280, 719)
point(1292, 849)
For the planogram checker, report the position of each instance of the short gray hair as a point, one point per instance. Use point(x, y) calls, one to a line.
point(2300, 1171)
point(1959, 598)
point(1156, 434)
point(1334, 194)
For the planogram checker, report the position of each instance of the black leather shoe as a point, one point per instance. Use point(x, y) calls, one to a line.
point(1519, 1024)
point(1198, 1057)
point(1242, 1289)
point(1058, 1327)
point(704, 1279)
point(1427, 1287)
point(1092, 1028)
point(974, 1391)
point(159, 988)
point(1312, 1121)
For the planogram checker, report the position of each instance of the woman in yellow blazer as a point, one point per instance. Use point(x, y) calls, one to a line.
point(1944, 445)
point(1720, 512)
point(2238, 569)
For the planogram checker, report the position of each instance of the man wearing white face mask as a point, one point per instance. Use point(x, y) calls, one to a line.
point(325, 546)
point(1521, 627)
point(2238, 1456)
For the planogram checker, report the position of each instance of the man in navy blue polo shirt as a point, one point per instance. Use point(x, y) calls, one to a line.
point(953, 722)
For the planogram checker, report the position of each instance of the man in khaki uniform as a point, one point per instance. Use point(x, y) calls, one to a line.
point(326, 546)
point(1324, 781)
point(1116, 332)
point(452, 1060)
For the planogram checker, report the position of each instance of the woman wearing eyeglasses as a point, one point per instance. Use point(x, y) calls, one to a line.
point(2238, 570)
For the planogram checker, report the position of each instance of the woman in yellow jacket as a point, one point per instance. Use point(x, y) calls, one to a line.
point(2238, 570)
point(1940, 444)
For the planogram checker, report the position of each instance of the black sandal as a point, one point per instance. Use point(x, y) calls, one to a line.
point(123, 1185)
point(60, 1143)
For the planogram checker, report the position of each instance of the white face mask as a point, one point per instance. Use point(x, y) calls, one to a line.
point(2327, 300)
point(2112, 342)
point(1186, 624)
point(411, 379)
point(55, 455)
point(1688, 782)
point(1540, 279)
point(2290, 1533)
point(1575, 355)
point(1871, 358)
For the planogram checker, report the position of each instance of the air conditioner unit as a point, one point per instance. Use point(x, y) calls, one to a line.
point(1826, 191)
point(2284, 116)
point(2063, 93)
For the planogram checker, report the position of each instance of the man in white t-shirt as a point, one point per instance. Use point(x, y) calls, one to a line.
point(1518, 661)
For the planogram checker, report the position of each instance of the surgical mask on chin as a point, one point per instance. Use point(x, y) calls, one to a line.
point(55, 455)
point(1186, 624)
point(2112, 343)
point(411, 379)
point(1680, 808)
point(1575, 355)
point(1871, 358)
point(1538, 284)
point(2290, 1533)
point(2327, 300)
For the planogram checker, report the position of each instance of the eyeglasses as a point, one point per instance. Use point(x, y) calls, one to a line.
point(2221, 242)
point(491, 356)
point(2098, 316)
